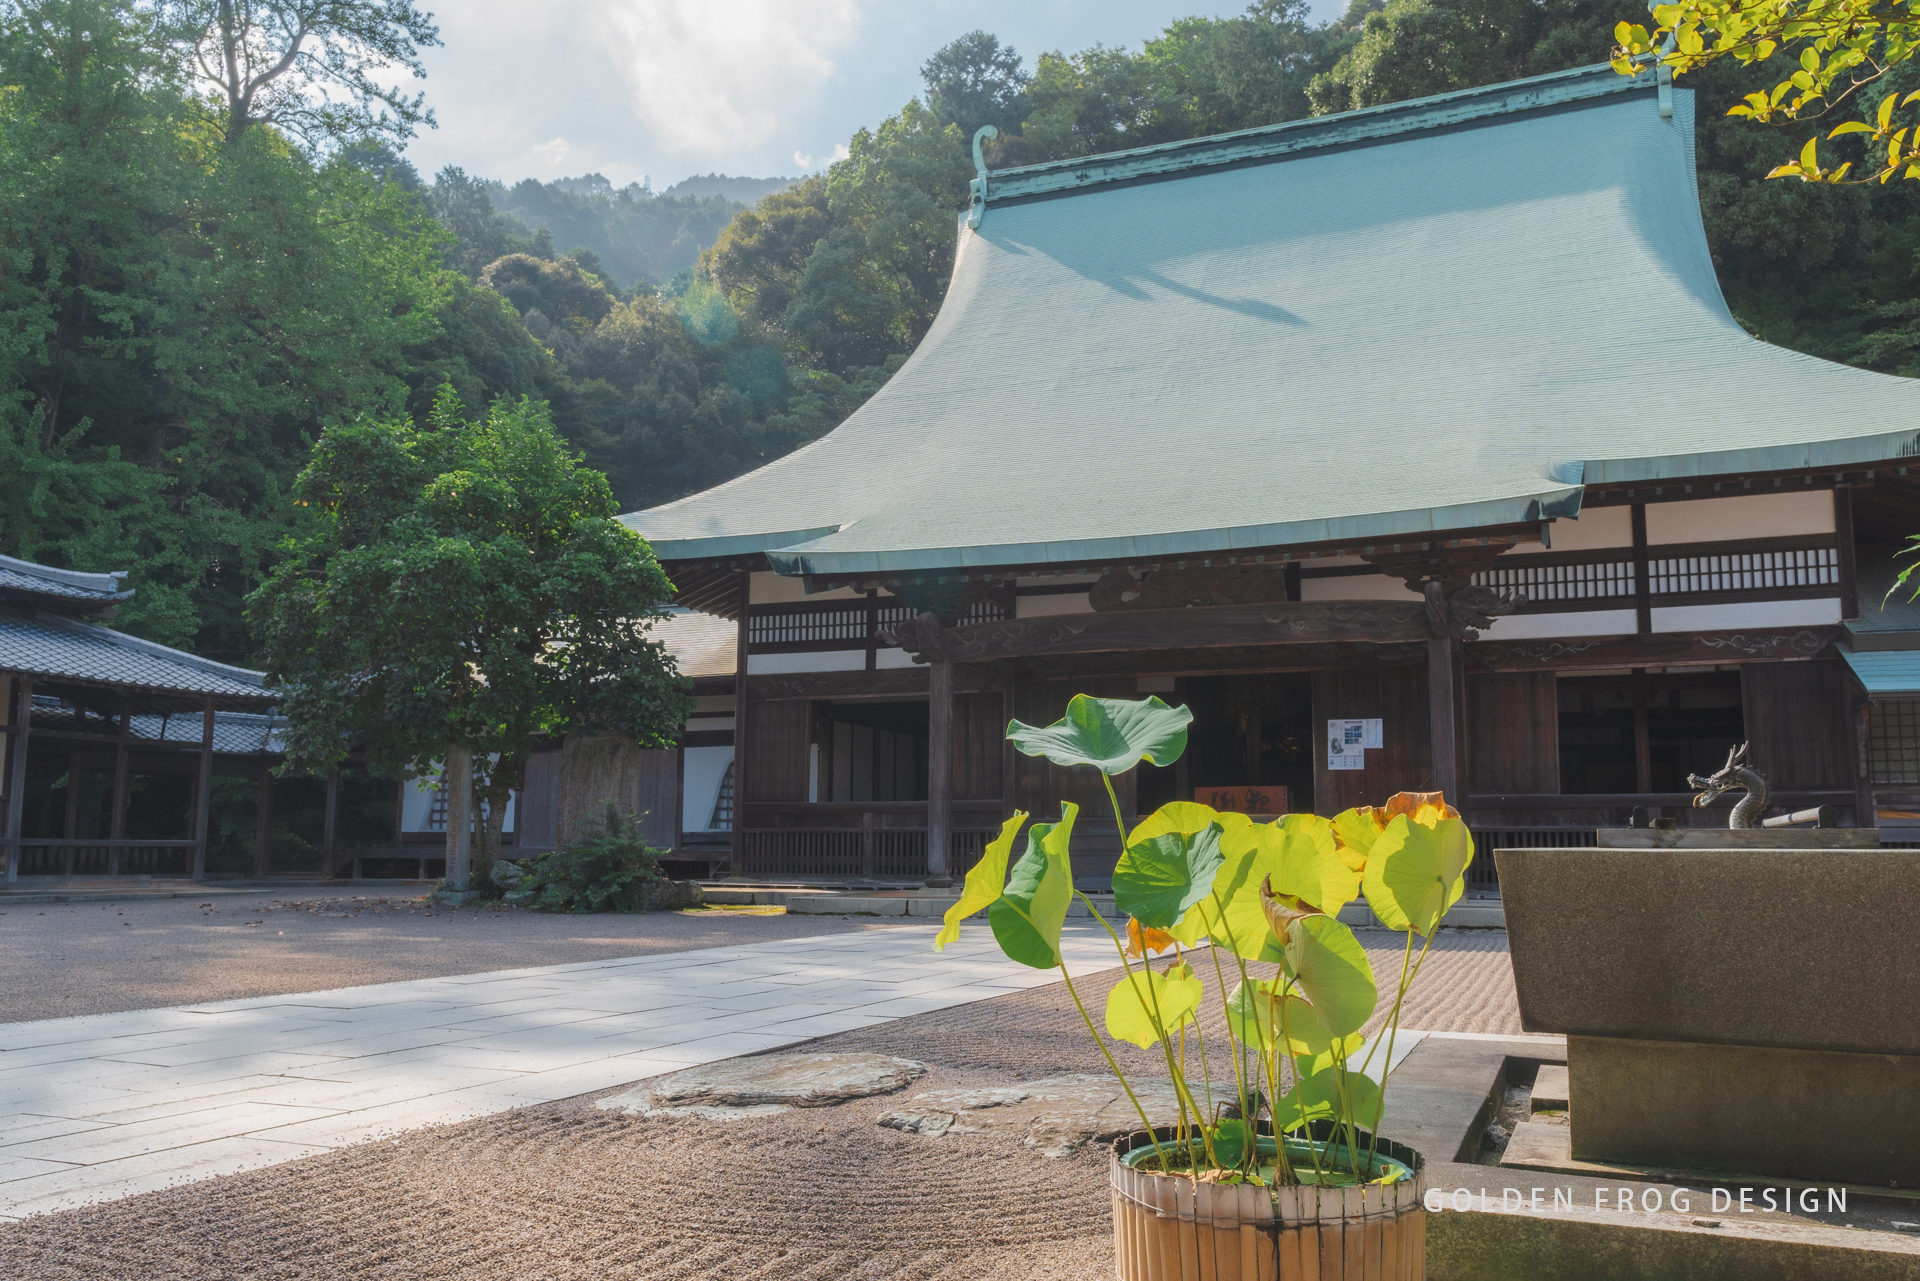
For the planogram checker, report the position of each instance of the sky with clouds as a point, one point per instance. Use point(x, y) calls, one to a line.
point(669, 88)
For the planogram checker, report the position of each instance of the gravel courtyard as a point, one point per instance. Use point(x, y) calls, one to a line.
point(567, 1190)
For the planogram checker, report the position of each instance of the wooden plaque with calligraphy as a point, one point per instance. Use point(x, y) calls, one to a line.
point(1259, 802)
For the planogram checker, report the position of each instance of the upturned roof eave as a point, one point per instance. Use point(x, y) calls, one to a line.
point(1561, 501)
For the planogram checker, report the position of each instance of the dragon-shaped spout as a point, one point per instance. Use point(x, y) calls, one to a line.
point(1731, 775)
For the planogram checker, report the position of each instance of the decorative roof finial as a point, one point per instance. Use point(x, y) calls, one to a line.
point(979, 185)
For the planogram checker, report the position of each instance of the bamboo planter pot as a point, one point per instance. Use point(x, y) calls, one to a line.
point(1170, 1228)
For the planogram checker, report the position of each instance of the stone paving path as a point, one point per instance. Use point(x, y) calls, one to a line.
point(105, 1106)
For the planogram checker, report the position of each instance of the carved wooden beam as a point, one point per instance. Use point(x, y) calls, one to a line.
point(1676, 649)
point(888, 682)
point(1281, 623)
point(1195, 586)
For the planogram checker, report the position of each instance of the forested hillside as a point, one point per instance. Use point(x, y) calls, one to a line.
point(189, 293)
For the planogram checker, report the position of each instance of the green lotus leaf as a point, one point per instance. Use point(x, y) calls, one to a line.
point(1143, 1004)
point(1331, 969)
point(1112, 735)
point(1027, 917)
point(1249, 855)
point(1415, 872)
point(1186, 817)
point(1158, 880)
point(985, 882)
point(1310, 864)
point(1317, 1097)
point(1231, 1140)
point(1250, 1009)
point(1309, 1043)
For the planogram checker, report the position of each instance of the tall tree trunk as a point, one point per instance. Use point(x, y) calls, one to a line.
point(486, 850)
point(596, 772)
point(459, 784)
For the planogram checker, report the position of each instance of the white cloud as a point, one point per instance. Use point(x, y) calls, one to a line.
point(552, 153)
point(806, 162)
point(723, 75)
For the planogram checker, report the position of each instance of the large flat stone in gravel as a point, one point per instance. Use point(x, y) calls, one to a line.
point(768, 1083)
point(1057, 1114)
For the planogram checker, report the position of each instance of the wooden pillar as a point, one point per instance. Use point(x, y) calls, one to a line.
point(1642, 739)
point(70, 829)
point(117, 814)
point(20, 730)
point(1843, 543)
point(939, 771)
point(330, 839)
point(1866, 806)
point(1642, 578)
point(459, 785)
point(203, 794)
point(263, 824)
point(742, 726)
point(1442, 700)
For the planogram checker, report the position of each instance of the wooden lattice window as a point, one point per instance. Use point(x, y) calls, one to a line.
point(723, 804)
point(437, 808)
point(1893, 740)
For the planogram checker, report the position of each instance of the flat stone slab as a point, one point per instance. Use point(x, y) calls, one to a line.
point(1058, 1114)
point(765, 1084)
point(1550, 1087)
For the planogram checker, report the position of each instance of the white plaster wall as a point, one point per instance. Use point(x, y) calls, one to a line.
point(416, 803)
point(1588, 622)
point(1766, 613)
point(1596, 528)
point(1051, 603)
point(1715, 520)
point(1356, 587)
point(773, 589)
point(705, 767)
point(829, 660)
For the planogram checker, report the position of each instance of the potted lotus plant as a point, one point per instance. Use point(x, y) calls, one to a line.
point(1273, 1167)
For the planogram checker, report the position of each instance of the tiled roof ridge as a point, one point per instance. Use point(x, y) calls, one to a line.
point(1266, 142)
point(239, 675)
point(107, 585)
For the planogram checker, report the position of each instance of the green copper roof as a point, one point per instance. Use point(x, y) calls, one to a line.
point(1886, 671)
point(1444, 314)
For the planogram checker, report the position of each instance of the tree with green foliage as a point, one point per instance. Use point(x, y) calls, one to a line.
point(316, 70)
point(462, 593)
point(976, 81)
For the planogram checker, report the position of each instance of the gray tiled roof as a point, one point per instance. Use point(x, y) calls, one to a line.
point(43, 580)
point(47, 645)
point(234, 733)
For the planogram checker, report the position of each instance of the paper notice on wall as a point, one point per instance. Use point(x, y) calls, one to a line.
point(1371, 735)
point(1346, 744)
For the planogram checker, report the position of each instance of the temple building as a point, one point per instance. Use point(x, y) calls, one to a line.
point(1411, 448)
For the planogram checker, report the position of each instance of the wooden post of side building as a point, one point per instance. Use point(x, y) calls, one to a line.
point(939, 772)
point(20, 729)
point(203, 795)
point(117, 816)
point(459, 785)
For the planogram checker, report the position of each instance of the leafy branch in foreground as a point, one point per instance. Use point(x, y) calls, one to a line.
point(1839, 51)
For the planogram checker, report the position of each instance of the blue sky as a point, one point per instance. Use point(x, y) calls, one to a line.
point(668, 88)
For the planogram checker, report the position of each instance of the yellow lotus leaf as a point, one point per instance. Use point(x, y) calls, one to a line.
point(1142, 939)
point(1311, 868)
point(1354, 832)
point(1282, 910)
point(1234, 915)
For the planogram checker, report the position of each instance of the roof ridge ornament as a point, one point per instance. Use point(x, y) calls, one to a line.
point(979, 184)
